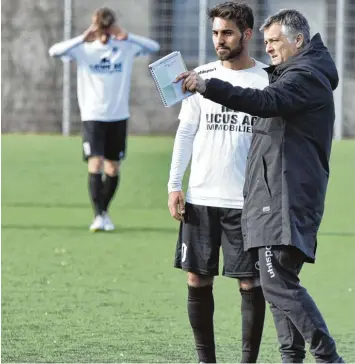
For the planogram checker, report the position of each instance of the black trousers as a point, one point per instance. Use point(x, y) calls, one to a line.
point(296, 316)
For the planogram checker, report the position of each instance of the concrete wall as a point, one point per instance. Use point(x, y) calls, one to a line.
point(31, 84)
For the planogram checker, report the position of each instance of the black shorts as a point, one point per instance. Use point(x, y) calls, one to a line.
point(105, 139)
point(206, 229)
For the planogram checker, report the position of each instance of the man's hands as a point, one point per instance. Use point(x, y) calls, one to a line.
point(93, 33)
point(118, 32)
point(176, 204)
point(192, 82)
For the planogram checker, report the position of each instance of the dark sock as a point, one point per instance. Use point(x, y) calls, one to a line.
point(95, 189)
point(109, 188)
point(200, 307)
point(253, 316)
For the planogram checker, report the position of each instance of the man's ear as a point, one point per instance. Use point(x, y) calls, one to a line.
point(247, 34)
point(299, 41)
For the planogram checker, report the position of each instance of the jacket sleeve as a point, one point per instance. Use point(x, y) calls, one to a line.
point(291, 93)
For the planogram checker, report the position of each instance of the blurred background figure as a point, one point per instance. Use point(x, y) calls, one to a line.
point(104, 55)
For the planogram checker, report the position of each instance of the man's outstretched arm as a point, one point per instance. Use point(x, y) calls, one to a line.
point(292, 93)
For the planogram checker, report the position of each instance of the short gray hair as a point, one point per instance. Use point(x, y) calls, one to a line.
point(292, 22)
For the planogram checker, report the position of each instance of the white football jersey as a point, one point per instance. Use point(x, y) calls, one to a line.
point(218, 140)
point(104, 73)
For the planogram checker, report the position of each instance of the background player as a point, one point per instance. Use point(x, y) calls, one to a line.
point(104, 55)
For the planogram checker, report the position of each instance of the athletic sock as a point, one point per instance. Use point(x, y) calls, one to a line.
point(253, 316)
point(95, 191)
point(110, 185)
point(200, 308)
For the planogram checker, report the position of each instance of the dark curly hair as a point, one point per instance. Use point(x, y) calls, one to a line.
point(240, 13)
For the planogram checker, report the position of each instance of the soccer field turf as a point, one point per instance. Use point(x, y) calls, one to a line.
point(72, 296)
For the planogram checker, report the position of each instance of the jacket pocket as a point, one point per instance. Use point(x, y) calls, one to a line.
point(264, 176)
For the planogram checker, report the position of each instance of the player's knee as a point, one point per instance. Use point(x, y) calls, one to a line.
point(95, 164)
point(247, 284)
point(111, 168)
point(197, 280)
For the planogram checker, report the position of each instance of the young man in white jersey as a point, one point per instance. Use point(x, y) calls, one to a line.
point(104, 55)
point(218, 141)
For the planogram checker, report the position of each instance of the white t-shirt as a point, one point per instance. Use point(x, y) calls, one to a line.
point(104, 73)
point(218, 140)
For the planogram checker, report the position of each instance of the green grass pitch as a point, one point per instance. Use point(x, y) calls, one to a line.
point(72, 296)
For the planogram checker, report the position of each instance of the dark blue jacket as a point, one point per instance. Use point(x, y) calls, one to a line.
point(288, 164)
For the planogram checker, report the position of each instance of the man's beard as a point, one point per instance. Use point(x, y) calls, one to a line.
point(234, 53)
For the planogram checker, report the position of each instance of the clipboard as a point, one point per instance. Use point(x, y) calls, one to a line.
point(164, 71)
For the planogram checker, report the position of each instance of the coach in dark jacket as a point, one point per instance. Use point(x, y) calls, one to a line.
point(287, 173)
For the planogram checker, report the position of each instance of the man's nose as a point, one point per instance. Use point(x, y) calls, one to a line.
point(269, 48)
point(220, 40)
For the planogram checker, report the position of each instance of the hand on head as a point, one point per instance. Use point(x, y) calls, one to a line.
point(118, 32)
point(104, 27)
point(91, 33)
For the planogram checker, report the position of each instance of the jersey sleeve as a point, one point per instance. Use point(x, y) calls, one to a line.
point(68, 49)
point(189, 123)
point(190, 111)
point(142, 45)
